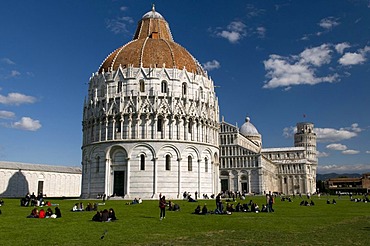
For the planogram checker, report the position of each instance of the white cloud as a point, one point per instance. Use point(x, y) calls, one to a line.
point(123, 8)
point(367, 151)
point(28, 124)
point(261, 31)
point(253, 11)
point(357, 168)
point(14, 73)
point(6, 114)
point(316, 56)
point(336, 146)
point(16, 99)
point(328, 23)
point(350, 152)
point(288, 132)
point(341, 47)
point(354, 58)
point(321, 154)
point(333, 135)
point(210, 65)
point(119, 25)
point(7, 61)
point(298, 69)
point(235, 31)
point(327, 135)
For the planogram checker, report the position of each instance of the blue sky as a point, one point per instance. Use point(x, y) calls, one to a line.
point(278, 62)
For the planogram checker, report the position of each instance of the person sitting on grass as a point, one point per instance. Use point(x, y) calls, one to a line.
point(75, 208)
point(34, 213)
point(264, 208)
point(111, 214)
point(97, 217)
point(312, 203)
point(238, 207)
point(89, 207)
point(197, 210)
point(334, 202)
point(204, 209)
point(48, 213)
point(135, 201)
point(58, 213)
point(256, 208)
point(42, 214)
point(176, 207)
point(190, 199)
point(1, 202)
point(105, 216)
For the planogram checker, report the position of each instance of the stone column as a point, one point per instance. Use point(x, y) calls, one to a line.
point(128, 178)
point(100, 124)
point(199, 175)
point(106, 129)
point(114, 129)
point(172, 127)
point(129, 125)
point(107, 180)
point(146, 126)
point(179, 178)
point(122, 121)
point(155, 177)
point(164, 127)
point(155, 127)
point(137, 127)
point(185, 128)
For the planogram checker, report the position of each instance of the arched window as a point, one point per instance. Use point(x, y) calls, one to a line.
point(142, 86)
point(201, 95)
point(190, 126)
point(206, 165)
point(119, 87)
point(190, 163)
point(168, 162)
point(164, 87)
point(97, 163)
point(159, 125)
point(184, 89)
point(142, 162)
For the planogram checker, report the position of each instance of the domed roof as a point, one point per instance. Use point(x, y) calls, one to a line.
point(248, 129)
point(152, 46)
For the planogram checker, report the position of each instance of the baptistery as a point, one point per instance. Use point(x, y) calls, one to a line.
point(150, 120)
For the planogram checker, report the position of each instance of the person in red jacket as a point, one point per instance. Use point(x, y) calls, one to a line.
point(42, 214)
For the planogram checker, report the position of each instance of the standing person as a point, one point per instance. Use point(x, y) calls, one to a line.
point(218, 202)
point(162, 206)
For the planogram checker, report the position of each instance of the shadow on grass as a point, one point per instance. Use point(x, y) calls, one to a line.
point(148, 217)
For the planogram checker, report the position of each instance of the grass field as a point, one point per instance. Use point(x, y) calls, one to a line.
point(345, 223)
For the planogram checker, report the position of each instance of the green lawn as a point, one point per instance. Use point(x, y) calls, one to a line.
point(345, 223)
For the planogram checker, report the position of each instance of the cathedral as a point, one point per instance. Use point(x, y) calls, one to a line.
point(151, 125)
point(247, 167)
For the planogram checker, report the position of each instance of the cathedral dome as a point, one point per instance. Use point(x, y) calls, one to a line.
point(248, 129)
point(152, 46)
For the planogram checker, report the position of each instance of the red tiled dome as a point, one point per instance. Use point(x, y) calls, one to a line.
point(151, 46)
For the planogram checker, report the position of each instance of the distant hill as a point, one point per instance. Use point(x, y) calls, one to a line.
point(326, 176)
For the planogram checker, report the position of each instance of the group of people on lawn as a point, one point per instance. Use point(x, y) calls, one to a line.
point(105, 215)
point(41, 214)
